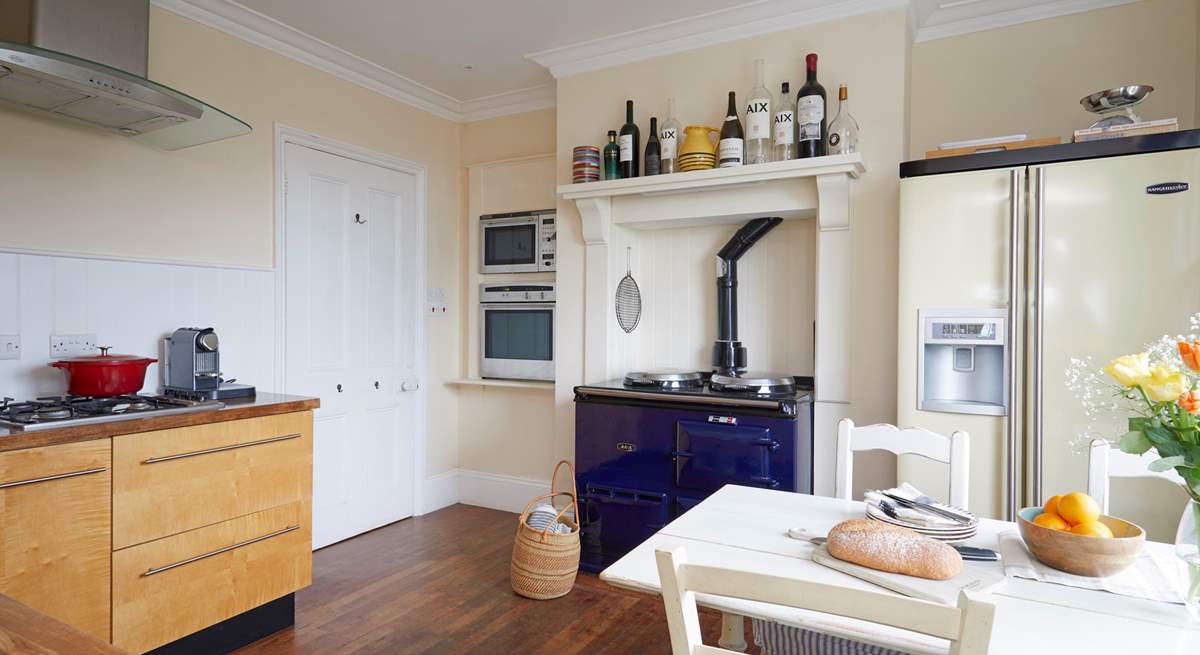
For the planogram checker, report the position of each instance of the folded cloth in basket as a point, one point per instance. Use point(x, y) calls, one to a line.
point(914, 516)
point(543, 514)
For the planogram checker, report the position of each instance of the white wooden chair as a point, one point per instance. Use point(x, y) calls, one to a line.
point(968, 626)
point(953, 450)
point(1104, 463)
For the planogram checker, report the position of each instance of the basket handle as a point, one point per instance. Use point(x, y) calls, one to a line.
point(551, 496)
point(574, 489)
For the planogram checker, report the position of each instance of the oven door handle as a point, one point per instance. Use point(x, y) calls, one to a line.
point(676, 454)
point(619, 500)
point(769, 483)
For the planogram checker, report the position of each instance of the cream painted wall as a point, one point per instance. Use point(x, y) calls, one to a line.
point(74, 189)
point(866, 52)
point(1029, 78)
point(519, 135)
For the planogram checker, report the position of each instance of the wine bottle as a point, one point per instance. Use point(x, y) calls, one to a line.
point(653, 152)
point(730, 150)
point(810, 113)
point(612, 157)
point(843, 131)
point(629, 142)
point(758, 119)
point(785, 126)
point(668, 137)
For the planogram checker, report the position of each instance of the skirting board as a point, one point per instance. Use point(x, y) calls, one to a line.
point(508, 493)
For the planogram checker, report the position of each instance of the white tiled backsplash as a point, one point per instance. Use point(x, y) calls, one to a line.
point(131, 306)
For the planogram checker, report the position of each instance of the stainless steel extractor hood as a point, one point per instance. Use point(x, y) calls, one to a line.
point(86, 60)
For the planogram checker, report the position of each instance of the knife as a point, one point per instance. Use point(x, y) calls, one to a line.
point(928, 509)
point(968, 553)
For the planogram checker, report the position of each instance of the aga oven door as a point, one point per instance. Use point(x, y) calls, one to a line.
point(509, 245)
point(710, 454)
point(516, 341)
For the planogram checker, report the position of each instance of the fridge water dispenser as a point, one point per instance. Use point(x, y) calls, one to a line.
point(961, 361)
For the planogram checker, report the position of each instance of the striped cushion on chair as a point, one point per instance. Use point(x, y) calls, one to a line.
point(778, 639)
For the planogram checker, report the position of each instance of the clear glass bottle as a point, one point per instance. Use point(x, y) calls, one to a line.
point(668, 139)
point(785, 125)
point(758, 119)
point(843, 131)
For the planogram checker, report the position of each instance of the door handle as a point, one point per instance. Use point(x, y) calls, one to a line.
point(407, 386)
point(241, 544)
point(359, 219)
point(48, 478)
point(220, 449)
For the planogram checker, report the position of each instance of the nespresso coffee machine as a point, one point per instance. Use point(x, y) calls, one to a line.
point(192, 367)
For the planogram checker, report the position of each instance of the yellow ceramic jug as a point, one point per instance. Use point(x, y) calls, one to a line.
point(698, 152)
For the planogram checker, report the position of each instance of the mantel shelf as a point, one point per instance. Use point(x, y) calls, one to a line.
point(716, 178)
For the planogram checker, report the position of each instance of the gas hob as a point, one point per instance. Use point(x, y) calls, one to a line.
point(65, 411)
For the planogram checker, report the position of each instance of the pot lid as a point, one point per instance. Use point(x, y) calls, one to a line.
point(105, 358)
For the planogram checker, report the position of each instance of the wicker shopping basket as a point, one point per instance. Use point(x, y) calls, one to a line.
point(544, 563)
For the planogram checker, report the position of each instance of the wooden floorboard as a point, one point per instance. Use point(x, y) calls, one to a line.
point(439, 584)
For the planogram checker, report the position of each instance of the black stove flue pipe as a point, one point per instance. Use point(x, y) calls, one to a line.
point(728, 354)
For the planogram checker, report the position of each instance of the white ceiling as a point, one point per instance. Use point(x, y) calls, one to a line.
point(416, 50)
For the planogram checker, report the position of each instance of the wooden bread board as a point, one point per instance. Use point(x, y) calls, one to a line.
point(975, 576)
point(994, 147)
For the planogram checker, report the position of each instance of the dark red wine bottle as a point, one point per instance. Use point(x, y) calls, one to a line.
point(628, 141)
point(731, 150)
point(810, 113)
point(653, 150)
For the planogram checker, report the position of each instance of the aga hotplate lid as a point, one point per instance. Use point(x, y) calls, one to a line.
point(665, 378)
point(753, 382)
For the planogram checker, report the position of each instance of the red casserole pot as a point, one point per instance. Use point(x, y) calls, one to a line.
point(104, 374)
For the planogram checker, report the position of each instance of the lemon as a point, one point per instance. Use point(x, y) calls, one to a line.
point(1093, 529)
point(1051, 520)
point(1051, 506)
point(1078, 507)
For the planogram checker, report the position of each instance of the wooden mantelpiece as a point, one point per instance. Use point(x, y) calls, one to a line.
point(803, 189)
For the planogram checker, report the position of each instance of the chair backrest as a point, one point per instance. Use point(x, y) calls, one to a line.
point(1105, 462)
point(968, 626)
point(953, 450)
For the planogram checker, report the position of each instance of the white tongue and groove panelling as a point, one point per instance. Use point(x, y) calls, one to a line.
point(131, 306)
point(676, 270)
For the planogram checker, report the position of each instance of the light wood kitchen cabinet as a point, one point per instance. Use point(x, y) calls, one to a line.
point(55, 531)
point(172, 587)
point(170, 481)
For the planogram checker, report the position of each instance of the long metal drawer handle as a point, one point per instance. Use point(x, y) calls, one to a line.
point(167, 458)
point(60, 476)
point(168, 567)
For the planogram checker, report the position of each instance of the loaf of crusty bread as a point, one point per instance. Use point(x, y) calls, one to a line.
point(885, 547)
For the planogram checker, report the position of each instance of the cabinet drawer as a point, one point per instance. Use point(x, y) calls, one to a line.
point(169, 481)
point(172, 587)
point(54, 532)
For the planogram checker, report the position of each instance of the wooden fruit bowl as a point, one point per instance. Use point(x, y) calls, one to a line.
point(1074, 553)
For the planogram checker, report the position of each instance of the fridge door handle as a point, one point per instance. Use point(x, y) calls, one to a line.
point(1038, 330)
point(1014, 296)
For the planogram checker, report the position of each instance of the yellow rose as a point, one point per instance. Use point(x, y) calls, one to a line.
point(1164, 383)
point(1130, 370)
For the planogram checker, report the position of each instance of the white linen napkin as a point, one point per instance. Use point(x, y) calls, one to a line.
point(1153, 575)
point(916, 517)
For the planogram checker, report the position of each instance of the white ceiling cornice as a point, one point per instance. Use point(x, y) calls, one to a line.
point(685, 34)
point(263, 31)
point(1012, 17)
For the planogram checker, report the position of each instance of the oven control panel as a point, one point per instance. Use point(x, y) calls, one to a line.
point(490, 293)
point(547, 243)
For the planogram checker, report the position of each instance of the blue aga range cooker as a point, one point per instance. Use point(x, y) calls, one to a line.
point(652, 446)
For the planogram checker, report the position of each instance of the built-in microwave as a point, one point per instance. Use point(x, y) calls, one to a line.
point(516, 331)
point(518, 242)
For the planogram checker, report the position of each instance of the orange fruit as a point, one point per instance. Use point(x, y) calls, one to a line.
point(1078, 507)
point(1093, 529)
point(1051, 506)
point(1052, 521)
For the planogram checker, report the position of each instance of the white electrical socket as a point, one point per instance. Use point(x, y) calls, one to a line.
point(72, 345)
point(10, 346)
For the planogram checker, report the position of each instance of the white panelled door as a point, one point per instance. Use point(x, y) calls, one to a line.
point(351, 251)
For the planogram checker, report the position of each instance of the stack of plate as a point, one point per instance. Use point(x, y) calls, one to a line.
point(697, 161)
point(586, 164)
point(942, 531)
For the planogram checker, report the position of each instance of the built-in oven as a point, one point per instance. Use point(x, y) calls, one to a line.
point(518, 242)
point(516, 331)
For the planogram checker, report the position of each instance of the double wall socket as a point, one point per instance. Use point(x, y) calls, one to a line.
point(72, 345)
point(10, 346)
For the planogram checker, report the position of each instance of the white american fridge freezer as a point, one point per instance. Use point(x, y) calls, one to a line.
point(1013, 263)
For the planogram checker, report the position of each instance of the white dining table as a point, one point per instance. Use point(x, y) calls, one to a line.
point(746, 528)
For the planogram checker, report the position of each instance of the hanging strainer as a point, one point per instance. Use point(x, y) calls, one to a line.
point(629, 299)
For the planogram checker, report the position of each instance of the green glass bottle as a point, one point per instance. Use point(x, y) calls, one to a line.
point(612, 157)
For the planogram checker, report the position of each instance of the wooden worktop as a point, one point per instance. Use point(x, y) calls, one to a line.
point(27, 631)
point(264, 404)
